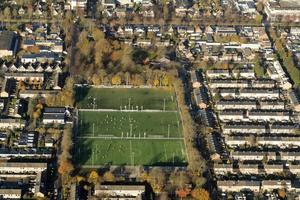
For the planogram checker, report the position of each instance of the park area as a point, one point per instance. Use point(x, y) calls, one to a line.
point(125, 98)
point(108, 135)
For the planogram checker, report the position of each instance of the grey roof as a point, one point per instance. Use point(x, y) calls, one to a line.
point(22, 164)
point(54, 110)
point(236, 102)
point(269, 113)
point(54, 116)
point(119, 187)
point(7, 39)
point(295, 99)
point(238, 183)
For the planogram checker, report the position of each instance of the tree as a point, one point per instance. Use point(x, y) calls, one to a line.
point(65, 167)
point(93, 177)
point(108, 176)
point(179, 180)
point(157, 179)
point(260, 6)
point(116, 80)
point(83, 44)
point(96, 79)
point(258, 68)
point(36, 114)
point(7, 13)
point(183, 193)
point(282, 193)
point(200, 194)
point(165, 81)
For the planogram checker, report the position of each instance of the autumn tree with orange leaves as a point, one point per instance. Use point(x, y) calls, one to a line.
point(200, 194)
point(65, 159)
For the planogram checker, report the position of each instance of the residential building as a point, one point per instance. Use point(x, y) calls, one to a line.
point(294, 168)
point(9, 44)
point(271, 105)
point(243, 128)
point(223, 168)
point(273, 168)
point(290, 155)
point(121, 191)
point(201, 97)
point(237, 186)
point(194, 79)
point(265, 115)
point(236, 104)
point(283, 10)
point(214, 144)
point(217, 73)
point(249, 168)
point(295, 100)
point(284, 128)
point(229, 83)
point(231, 115)
point(22, 167)
point(234, 141)
point(77, 4)
point(24, 94)
point(270, 185)
point(10, 193)
point(280, 141)
point(8, 123)
point(253, 155)
point(58, 115)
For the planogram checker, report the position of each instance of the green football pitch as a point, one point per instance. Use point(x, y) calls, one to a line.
point(95, 152)
point(125, 98)
point(129, 124)
point(136, 137)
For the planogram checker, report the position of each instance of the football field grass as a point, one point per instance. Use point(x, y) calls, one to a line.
point(125, 98)
point(129, 124)
point(150, 134)
point(95, 152)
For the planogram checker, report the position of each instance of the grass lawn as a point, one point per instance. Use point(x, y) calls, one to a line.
point(130, 152)
point(113, 98)
point(132, 124)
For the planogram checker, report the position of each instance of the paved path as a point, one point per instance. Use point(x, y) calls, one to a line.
point(117, 110)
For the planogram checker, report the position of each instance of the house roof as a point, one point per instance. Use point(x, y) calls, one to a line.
point(54, 110)
point(54, 116)
point(7, 39)
point(23, 164)
point(119, 187)
point(11, 191)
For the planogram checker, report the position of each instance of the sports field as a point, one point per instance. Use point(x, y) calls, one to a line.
point(129, 124)
point(125, 98)
point(130, 152)
point(149, 133)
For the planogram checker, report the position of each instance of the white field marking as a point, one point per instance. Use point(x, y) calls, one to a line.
point(129, 138)
point(165, 152)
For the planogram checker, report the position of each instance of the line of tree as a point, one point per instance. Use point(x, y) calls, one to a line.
point(65, 165)
point(286, 56)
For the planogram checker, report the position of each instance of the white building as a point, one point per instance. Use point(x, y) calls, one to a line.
point(10, 193)
point(236, 186)
point(120, 191)
point(285, 10)
point(22, 167)
point(253, 155)
point(77, 4)
point(270, 185)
